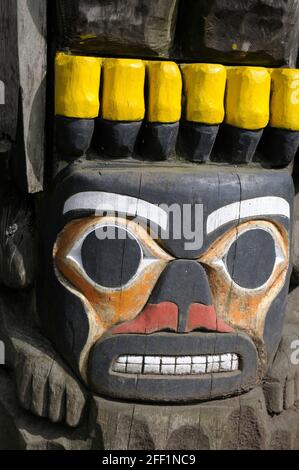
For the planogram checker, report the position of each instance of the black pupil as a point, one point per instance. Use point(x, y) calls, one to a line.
point(110, 262)
point(251, 258)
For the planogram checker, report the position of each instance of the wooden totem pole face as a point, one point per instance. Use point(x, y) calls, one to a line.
point(166, 281)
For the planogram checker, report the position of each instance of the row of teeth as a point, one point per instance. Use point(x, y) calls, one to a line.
point(176, 365)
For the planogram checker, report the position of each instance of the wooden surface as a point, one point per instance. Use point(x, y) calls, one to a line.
point(23, 58)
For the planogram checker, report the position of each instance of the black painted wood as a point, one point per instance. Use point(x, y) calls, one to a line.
point(158, 140)
point(110, 257)
point(117, 139)
point(177, 284)
point(236, 145)
point(73, 136)
point(196, 140)
point(251, 258)
point(173, 388)
point(278, 147)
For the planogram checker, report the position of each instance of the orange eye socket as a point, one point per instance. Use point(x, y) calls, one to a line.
point(110, 253)
point(247, 269)
point(249, 255)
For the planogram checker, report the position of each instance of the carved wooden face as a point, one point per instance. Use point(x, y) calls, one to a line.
point(167, 283)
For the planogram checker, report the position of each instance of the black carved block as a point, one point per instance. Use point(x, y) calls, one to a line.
point(135, 27)
point(261, 32)
point(158, 140)
point(278, 146)
point(118, 139)
point(236, 145)
point(196, 140)
point(73, 136)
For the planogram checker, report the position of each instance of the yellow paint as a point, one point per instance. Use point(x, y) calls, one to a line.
point(284, 107)
point(123, 90)
point(164, 92)
point(77, 84)
point(204, 87)
point(247, 97)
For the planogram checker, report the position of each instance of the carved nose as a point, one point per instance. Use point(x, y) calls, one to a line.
point(185, 284)
point(181, 301)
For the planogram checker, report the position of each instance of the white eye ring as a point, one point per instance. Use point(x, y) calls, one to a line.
point(279, 259)
point(75, 255)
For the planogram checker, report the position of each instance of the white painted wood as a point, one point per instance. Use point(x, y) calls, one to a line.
point(100, 201)
point(268, 205)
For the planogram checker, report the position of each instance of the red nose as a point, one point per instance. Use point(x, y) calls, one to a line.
point(165, 316)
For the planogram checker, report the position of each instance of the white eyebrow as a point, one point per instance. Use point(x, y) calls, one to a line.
point(99, 202)
point(268, 205)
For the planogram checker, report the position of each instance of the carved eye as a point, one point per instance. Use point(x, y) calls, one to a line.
point(111, 262)
point(250, 260)
point(111, 256)
point(249, 255)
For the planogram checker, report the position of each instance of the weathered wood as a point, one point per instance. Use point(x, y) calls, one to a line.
point(257, 32)
point(144, 27)
point(18, 241)
point(23, 59)
point(45, 386)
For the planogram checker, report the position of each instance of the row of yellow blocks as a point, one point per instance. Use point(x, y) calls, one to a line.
point(245, 97)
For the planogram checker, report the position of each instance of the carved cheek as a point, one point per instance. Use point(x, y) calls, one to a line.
point(112, 307)
point(244, 311)
point(104, 306)
point(243, 308)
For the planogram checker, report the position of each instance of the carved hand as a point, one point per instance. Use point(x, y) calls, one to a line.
point(281, 385)
point(45, 386)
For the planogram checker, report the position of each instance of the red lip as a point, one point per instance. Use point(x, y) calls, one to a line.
point(164, 316)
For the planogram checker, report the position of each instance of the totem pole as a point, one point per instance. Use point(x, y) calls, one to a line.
point(149, 255)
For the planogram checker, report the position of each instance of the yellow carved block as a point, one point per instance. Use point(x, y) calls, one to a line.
point(204, 88)
point(123, 90)
point(247, 97)
point(164, 92)
point(77, 84)
point(284, 107)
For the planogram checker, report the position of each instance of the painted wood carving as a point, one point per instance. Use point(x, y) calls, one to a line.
point(153, 290)
point(155, 267)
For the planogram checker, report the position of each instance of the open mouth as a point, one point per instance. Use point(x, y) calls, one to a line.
point(164, 367)
point(176, 365)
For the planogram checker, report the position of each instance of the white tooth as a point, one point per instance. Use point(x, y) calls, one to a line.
point(210, 359)
point(215, 367)
point(168, 360)
point(168, 369)
point(216, 358)
point(209, 366)
point(235, 364)
point(198, 368)
point(152, 360)
point(234, 357)
point(119, 367)
point(122, 359)
point(183, 360)
point(135, 359)
point(226, 362)
point(183, 369)
point(151, 369)
point(199, 359)
point(134, 368)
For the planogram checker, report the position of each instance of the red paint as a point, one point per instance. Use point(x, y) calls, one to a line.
point(153, 318)
point(164, 316)
point(204, 316)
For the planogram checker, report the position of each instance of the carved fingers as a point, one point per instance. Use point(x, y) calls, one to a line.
point(46, 387)
point(281, 385)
